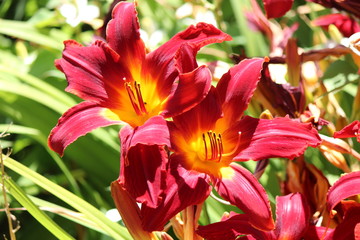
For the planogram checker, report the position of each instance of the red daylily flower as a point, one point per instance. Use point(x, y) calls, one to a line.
point(207, 139)
point(120, 83)
point(292, 219)
point(346, 25)
point(351, 130)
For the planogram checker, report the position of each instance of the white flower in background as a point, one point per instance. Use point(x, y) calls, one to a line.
point(153, 40)
point(80, 11)
point(113, 215)
point(193, 14)
point(354, 43)
point(278, 73)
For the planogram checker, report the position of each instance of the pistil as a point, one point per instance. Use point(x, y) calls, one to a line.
point(214, 151)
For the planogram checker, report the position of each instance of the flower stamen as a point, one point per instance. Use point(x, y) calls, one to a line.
point(216, 147)
point(213, 143)
point(136, 100)
point(236, 148)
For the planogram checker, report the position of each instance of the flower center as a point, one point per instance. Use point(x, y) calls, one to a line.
point(213, 146)
point(135, 96)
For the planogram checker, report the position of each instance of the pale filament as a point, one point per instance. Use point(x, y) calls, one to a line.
point(215, 151)
point(136, 98)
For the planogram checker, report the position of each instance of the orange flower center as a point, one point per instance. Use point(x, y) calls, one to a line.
point(207, 153)
point(136, 98)
point(139, 102)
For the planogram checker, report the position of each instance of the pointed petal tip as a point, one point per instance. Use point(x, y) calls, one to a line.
point(242, 189)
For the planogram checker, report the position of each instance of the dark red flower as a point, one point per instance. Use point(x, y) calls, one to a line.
point(346, 25)
point(351, 130)
point(207, 140)
point(292, 220)
point(120, 83)
point(277, 8)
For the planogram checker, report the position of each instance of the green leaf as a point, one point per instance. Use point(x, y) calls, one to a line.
point(93, 214)
point(28, 32)
point(39, 215)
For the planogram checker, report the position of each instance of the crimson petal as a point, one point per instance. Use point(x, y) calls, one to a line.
point(292, 216)
point(319, 233)
point(241, 188)
point(144, 160)
point(348, 185)
point(153, 132)
point(278, 137)
point(123, 34)
point(188, 91)
point(93, 72)
point(143, 173)
point(183, 188)
point(277, 8)
point(161, 62)
point(236, 88)
point(351, 130)
point(76, 122)
point(232, 227)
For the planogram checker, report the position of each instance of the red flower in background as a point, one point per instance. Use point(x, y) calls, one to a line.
point(292, 220)
point(346, 25)
point(292, 217)
point(120, 83)
point(277, 8)
point(351, 130)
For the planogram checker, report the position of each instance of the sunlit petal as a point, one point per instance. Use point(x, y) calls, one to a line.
point(236, 88)
point(292, 216)
point(160, 62)
point(93, 72)
point(76, 122)
point(238, 186)
point(123, 34)
point(278, 137)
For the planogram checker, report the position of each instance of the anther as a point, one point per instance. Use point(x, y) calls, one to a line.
point(204, 140)
point(216, 147)
point(219, 142)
